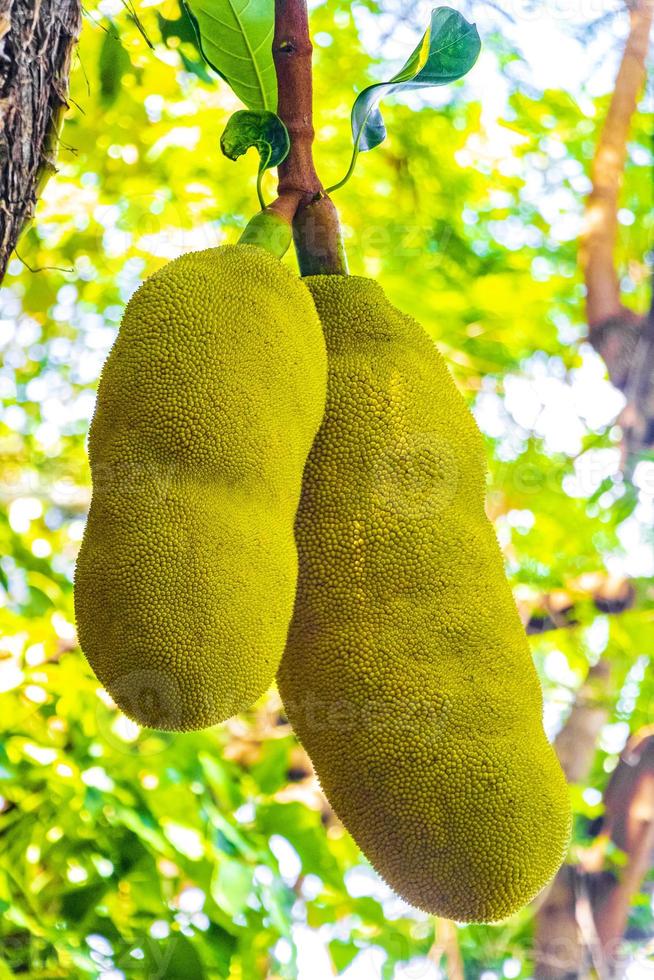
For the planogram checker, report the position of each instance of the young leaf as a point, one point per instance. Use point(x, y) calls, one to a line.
point(265, 130)
point(262, 129)
point(447, 51)
point(235, 38)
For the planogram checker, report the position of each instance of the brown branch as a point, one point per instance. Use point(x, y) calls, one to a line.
point(445, 952)
point(560, 609)
point(601, 219)
point(629, 823)
point(623, 339)
point(301, 197)
point(576, 742)
point(36, 45)
point(559, 952)
point(292, 53)
point(559, 944)
point(585, 913)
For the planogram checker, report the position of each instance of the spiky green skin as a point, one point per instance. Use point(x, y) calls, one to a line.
point(407, 674)
point(206, 410)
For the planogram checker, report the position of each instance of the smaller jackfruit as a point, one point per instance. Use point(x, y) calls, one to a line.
point(407, 673)
point(206, 410)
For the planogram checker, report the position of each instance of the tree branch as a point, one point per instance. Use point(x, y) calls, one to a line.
point(586, 910)
point(558, 939)
point(292, 52)
point(601, 218)
point(559, 944)
point(301, 197)
point(445, 952)
point(36, 44)
point(561, 609)
point(576, 742)
point(629, 823)
point(623, 339)
point(559, 952)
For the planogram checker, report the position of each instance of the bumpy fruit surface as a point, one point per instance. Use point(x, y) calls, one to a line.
point(207, 408)
point(407, 673)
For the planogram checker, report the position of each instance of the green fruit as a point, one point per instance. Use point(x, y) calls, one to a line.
point(206, 410)
point(407, 673)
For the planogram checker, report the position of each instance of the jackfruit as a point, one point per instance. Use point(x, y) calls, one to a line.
point(407, 674)
point(206, 411)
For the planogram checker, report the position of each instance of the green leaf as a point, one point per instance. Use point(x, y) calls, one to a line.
point(235, 38)
point(182, 30)
point(261, 129)
point(303, 829)
point(218, 952)
point(448, 50)
point(231, 886)
point(5, 972)
point(271, 772)
point(278, 900)
point(142, 824)
point(175, 958)
point(79, 902)
point(184, 960)
point(113, 63)
point(342, 953)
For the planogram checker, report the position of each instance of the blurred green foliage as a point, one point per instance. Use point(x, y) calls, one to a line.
point(214, 855)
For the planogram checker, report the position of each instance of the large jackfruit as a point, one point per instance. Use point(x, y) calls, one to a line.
point(207, 408)
point(407, 673)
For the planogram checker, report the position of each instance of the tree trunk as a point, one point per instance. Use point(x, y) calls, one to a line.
point(37, 38)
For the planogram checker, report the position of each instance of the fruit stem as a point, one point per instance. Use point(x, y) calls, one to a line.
point(302, 200)
point(318, 240)
point(269, 230)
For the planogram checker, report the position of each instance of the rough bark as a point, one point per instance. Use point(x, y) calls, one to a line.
point(301, 197)
point(624, 339)
point(37, 38)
